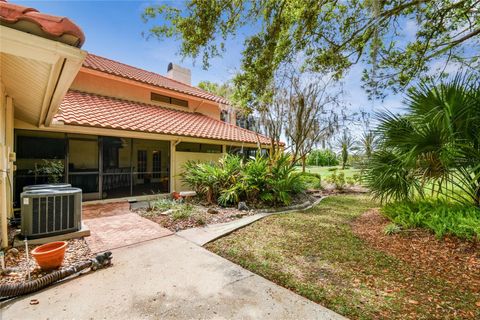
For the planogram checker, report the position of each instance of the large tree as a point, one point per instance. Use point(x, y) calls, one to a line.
point(224, 90)
point(328, 35)
point(313, 108)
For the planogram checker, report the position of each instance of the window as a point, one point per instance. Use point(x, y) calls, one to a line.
point(179, 102)
point(51, 148)
point(198, 147)
point(166, 99)
point(248, 122)
point(142, 163)
point(247, 153)
point(157, 164)
point(225, 116)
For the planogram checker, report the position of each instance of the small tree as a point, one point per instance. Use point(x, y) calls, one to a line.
point(367, 143)
point(345, 143)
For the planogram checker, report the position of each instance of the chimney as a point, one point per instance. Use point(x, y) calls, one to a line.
point(179, 73)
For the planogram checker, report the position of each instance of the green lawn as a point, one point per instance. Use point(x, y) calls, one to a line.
point(327, 171)
point(317, 255)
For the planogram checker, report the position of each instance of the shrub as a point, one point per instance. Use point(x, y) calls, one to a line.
point(311, 180)
point(208, 178)
point(434, 146)
point(282, 182)
point(200, 219)
point(53, 170)
point(231, 180)
point(392, 228)
point(338, 179)
point(443, 218)
point(357, 178)
point(162, 204)
point(322, 158)
point(183, 211)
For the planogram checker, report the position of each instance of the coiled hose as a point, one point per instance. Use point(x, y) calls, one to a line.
point(18, 289)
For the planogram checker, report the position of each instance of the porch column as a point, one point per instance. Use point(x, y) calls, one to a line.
point(3, 184)
point(5, 201)
point(11, 155)
point(173, 170)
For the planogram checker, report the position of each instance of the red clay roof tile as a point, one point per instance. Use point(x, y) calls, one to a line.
point(86, 109)
point(53, 26)
point(125, 71)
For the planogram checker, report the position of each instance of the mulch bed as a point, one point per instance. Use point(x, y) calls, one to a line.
point(16, 264)
point(199, 217)
point(451, 259)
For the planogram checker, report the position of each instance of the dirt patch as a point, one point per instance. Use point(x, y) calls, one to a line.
point(451, 259)
point(16, 264)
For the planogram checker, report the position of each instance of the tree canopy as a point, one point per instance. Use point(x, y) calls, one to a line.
point(328, 36)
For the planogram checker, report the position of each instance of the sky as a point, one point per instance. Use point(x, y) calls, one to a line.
point(113, 29)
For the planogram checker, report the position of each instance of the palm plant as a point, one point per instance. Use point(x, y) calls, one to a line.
point(435, 145)
point(345, 143)
point(367, 143)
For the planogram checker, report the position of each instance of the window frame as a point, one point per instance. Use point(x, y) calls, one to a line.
point(161, 98)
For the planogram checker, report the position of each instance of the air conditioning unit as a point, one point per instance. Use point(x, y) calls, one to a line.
point(47, 186)
point(48, 212)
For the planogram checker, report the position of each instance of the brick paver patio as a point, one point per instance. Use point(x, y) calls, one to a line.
point(112, 226)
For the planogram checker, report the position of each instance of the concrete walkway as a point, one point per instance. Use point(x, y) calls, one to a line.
point(203, 235)
point(167, 278)
point(208, 233)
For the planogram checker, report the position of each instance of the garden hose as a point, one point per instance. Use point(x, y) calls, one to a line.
point(18, 289)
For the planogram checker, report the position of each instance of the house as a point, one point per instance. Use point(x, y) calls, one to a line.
point(111, 129)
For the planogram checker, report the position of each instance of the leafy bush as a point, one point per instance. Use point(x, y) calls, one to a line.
point(179, 210)
point(392, 228)
point(52, 169)
point(438, 216)
point(182, 212)
point(322, 158)
point(338, 179)
point(231, 180)
point(357, 178)
point(208, 178)
point(312, 180)
point(162, 204)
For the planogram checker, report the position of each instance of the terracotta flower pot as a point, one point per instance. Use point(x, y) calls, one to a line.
point(50, 255)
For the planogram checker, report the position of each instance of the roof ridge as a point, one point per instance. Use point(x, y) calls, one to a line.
point(156, 74)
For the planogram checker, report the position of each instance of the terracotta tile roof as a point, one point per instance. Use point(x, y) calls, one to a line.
point(86, 109)
point(125, 71)
point(53, 27)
